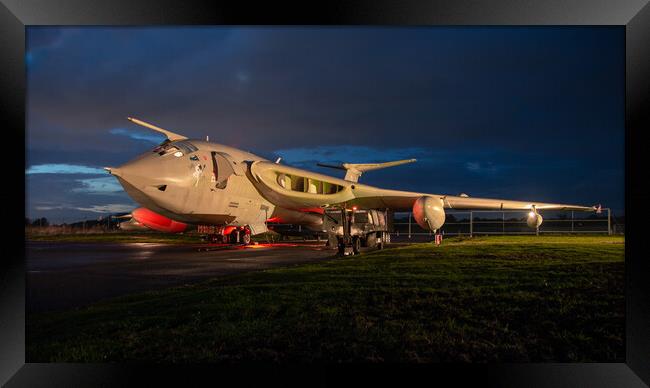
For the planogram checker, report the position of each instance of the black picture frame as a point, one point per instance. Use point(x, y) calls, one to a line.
point(15, 15)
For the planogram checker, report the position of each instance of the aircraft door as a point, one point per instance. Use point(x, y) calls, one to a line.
point(221, 170)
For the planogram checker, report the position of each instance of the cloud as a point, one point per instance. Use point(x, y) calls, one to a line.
point(153, 138)
point(109, 208)
point(49, 207)
point(106, 186)
point(483, 168)
point(62, 168)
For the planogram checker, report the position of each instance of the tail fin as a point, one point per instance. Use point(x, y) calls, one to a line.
point(354, 170)
point(170, 135)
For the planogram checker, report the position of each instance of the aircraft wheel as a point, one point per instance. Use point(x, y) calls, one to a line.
point(246, 237)
point(356, 245)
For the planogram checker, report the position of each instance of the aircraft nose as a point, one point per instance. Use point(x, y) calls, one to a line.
point(141, 172)
point(156, 181)
point(113, 171)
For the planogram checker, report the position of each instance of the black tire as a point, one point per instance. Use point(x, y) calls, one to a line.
point(380, 245)
point(245, 238)
point(341, 249)
point(356, 245)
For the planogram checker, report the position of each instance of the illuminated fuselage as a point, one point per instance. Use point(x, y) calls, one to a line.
point(199, 182)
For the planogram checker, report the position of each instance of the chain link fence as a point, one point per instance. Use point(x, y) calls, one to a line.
point(504, 222)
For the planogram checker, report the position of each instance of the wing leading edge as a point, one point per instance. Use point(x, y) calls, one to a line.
point(403, 201)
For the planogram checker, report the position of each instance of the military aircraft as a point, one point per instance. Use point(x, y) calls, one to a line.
point(185, 182)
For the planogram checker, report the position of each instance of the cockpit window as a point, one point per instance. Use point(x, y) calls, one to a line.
point(185, 146)
point(160, 147)
point(178, 148)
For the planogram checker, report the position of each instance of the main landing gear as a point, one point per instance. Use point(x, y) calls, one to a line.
point(236, 235)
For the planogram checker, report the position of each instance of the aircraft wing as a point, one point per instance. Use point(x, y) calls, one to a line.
point(457, 202)
point(297, 189)
point(370, 197)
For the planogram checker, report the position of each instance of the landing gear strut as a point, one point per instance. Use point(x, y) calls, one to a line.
point(348, 244)
point(226, 235)
point(240, 235)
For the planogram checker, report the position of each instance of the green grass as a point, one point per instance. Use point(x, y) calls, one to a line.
point(489, 299)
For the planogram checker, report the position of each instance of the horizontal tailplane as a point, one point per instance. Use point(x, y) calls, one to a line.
point(354, 170)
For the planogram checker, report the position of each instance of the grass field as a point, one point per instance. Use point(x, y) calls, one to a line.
point(486, 299)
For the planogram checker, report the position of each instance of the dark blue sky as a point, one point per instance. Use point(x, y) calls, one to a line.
point(517, 113)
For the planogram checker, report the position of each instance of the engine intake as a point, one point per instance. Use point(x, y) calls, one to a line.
point(429, 212)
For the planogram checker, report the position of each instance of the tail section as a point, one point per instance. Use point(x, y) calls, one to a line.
point(355, 170)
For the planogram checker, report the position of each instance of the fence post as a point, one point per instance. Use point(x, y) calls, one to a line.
point(409, 225)
point(609, 221)
point(571, 221)
point(471, 224)
point(503, 222)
